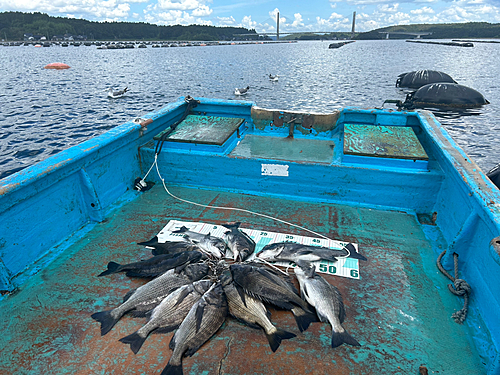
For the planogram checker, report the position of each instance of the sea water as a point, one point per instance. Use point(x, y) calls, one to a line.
point(45, 111)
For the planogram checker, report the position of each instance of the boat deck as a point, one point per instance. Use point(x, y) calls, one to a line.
point(399, 310)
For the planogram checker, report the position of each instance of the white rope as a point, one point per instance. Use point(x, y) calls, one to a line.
point(155, 163)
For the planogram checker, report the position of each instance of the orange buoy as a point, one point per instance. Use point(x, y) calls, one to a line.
point(57, 65)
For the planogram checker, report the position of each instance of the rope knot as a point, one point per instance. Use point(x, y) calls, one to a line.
point(461, 287)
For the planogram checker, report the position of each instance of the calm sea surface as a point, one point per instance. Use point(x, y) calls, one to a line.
point(45, 111)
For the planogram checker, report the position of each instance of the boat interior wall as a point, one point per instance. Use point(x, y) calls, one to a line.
point(303, 124)
point(48, 203)
point(61, 195)
point(467, 214)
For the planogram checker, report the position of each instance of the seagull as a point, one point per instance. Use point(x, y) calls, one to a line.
point(116, 94)
point(241, 91)
point(273, 78)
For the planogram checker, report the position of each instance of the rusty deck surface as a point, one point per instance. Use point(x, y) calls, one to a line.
point(399, 310)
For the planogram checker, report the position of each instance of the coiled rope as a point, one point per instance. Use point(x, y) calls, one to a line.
point(459, 287)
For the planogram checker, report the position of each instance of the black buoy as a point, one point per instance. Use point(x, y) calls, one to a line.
point(419, 78)
point(494, 175)
point(449, 95)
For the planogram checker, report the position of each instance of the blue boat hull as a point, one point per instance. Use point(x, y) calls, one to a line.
point(56, 211)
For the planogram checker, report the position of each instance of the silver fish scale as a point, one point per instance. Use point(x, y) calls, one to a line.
point(254, 312)
point(325, 298)
point(171, 313)
point(187, 339)
point(266, 290)
point(149, 295)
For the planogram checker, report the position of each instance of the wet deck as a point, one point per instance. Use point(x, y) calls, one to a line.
point(399, 311)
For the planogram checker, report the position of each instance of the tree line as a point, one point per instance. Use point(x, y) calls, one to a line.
point(438, 31)
point(14, 25)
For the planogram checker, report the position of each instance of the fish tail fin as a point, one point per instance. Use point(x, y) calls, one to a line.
point(152, 242)
point(356, 255)
point(106, 319)
point(113, 267)
point(339, 338)
point(135, 340)
point(353, 253)
point(172, 370)
point(277, 336)
point(303, 318)
point(181, 230)
point(232, 225)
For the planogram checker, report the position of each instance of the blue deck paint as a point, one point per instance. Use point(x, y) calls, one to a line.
point(51, 210)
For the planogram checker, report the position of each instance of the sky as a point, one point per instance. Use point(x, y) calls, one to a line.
point(295, 15)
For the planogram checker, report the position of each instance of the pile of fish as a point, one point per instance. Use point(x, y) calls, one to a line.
point(192, 289)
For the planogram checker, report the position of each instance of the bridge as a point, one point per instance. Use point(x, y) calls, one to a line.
point(416, 35)
point(277, 33)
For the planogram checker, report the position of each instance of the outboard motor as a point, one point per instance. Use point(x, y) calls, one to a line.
point(419, 78)
point(444, 95)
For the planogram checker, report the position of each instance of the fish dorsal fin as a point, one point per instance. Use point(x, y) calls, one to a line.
point(199, 314)
point(303, 292)
point(184, 292)
point(172, 342)
point(242, 294)
point(128, 295)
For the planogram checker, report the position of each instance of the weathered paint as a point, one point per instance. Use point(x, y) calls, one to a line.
point(203, 129)
point(399, 310)
point(382, 141)
point(67, 206)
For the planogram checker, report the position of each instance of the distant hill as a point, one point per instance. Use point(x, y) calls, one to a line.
point(14, 26)
point(439, 31)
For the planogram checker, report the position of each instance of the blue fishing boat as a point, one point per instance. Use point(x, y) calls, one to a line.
point(394, 183)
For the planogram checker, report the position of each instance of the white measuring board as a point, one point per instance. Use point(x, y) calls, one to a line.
point(344, 267)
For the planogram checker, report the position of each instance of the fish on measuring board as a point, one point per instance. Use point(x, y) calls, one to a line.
point(294, 252)
point(251, 311)
point(154, 266)
point(142, 299)
point(327, 301)
point(241, 245)
point(261, 284)
point(169, 247)
point(210, 244)
point(169, 314)
point(203, 320)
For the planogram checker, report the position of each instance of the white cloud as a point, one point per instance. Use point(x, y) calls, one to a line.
point(202, 11)
point(112, 10)
point(424, 10)
point(387, 8)
point(248, 23)
point(297, 22)
point(335, 16)
point(225, 21)
point(178, 5)
point(335, 22)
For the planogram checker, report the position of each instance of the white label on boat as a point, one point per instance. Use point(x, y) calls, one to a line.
point(274, 170)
